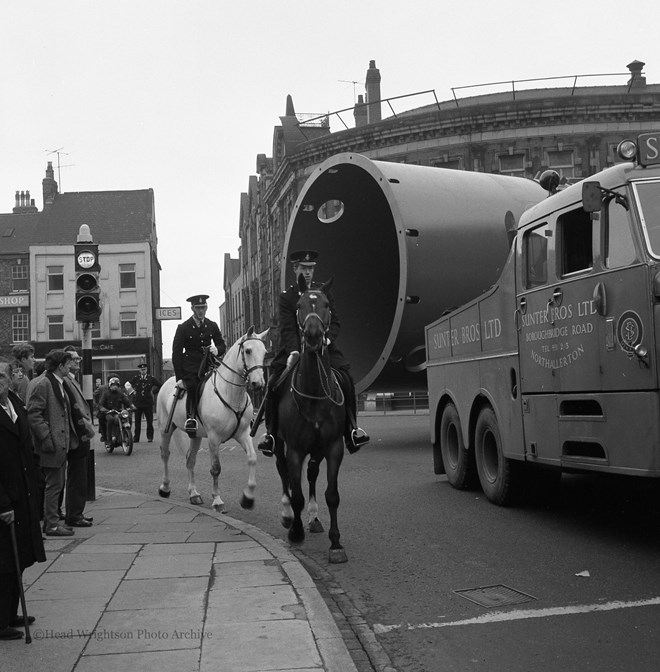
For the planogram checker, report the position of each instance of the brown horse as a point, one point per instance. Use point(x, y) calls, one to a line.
point(311, 423)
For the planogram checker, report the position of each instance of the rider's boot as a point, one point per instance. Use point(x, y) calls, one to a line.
point(190, 426)
point(267, 443)
point(354, 436)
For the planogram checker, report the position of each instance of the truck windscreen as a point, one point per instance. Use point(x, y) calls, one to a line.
point(648, 199)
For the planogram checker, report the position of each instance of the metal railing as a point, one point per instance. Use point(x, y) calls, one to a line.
point(323, 120)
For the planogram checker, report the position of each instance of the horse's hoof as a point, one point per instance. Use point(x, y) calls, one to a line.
point(247, 502)
point(286, 521)
point(296, 537)
point(316, 526)
point(196, 499)
point(220, 508)
point(337, 556)
point(163, 493)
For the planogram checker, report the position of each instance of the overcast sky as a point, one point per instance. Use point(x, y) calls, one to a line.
point(180, 96)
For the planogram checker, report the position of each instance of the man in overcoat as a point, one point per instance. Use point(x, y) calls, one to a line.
point(19, 503)
point(190, 340)
point(53, 433)
point(145, 385)
point(76, 459)
point(304, 263)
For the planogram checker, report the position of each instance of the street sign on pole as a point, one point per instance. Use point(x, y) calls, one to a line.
point(168, 313)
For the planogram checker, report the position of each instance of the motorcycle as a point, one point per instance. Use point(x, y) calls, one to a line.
point(118, 431)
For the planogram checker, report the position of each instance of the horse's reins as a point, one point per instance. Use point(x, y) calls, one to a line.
point(323, 374)
point(244, 377)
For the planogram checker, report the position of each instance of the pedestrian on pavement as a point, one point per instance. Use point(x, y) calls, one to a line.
point(53, 433)
point(19, 502)
point(145, 386)
point(76, 459)
point(23, 353)
point(191, 339)
point(304, 263)
point(19, 383)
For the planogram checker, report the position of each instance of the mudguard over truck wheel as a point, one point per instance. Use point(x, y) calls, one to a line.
point(458, 462)
point(499, 476)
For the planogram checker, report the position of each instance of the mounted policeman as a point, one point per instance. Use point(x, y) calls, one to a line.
point(192, 340)
point(304, 264)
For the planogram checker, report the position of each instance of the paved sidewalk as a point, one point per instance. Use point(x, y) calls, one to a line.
point(171, 587)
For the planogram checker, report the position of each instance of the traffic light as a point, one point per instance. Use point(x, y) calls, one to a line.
point(88, 292)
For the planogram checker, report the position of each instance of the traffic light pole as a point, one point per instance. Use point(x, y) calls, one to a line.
point(87, 386)
point(87, 310)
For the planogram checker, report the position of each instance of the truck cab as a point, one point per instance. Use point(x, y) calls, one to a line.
point(556, 365)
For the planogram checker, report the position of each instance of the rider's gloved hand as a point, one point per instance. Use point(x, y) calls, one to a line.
point(213, 350)
point(327, 341)
point(292, 358)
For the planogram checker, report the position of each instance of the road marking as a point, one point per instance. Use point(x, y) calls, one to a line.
point(520, 614)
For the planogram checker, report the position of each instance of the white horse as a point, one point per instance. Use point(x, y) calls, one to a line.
point(224, 410)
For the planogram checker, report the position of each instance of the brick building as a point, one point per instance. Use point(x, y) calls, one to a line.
point(37, 277)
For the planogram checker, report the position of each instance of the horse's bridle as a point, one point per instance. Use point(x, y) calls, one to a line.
point(323, 375)
point(244, 377)
point(312, 315)
point(246, 370)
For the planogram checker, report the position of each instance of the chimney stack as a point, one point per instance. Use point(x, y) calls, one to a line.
point(636, 81)
point(373, 93)
point(24, 203)
point(360, 112)
point(49, 186)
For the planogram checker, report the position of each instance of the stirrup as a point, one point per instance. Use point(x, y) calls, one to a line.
point(358, 439)
point(267, 445)
point(190, 428)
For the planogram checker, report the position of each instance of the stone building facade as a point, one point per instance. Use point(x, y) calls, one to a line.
point(572, 129)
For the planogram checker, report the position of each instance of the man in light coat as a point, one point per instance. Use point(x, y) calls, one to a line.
point(53, 434)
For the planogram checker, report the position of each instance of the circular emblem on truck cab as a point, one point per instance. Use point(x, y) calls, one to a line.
point(629, 331)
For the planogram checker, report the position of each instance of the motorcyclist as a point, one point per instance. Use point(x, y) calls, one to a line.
point(113, 399)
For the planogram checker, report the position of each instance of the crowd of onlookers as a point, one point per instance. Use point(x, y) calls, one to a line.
point(46, 425)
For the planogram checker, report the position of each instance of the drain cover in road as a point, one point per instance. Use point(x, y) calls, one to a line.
point(494, 596)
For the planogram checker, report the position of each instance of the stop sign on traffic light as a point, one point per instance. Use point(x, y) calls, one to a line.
point(88, 292)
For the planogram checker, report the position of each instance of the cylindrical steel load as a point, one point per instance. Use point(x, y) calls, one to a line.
point(404, 244)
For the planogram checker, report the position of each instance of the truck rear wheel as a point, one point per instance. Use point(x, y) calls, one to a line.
point(497, 474)
point(459, 462)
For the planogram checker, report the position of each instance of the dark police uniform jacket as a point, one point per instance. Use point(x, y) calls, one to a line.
point(144, 390)
point(290, 332)
point(189, 341)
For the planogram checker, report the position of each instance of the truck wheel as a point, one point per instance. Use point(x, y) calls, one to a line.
point(459, 462)
point(497, 474)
